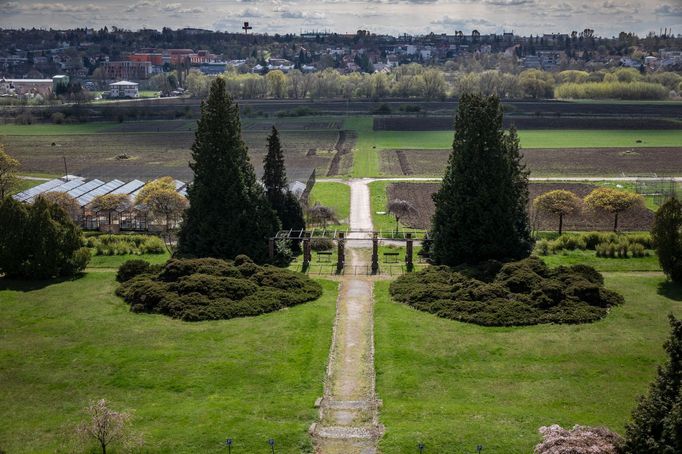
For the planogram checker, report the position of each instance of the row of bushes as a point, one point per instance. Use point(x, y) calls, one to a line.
point(622, 249)
point(211, 289)
point(611, 90)
point(133, 244)
point(591, 240)
point(526, 292)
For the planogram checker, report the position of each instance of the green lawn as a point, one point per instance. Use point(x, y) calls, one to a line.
point(333, 195)
point(114, 261)
point(453, 385)
point(48, 129)
point(23, 185)
point(603, 264)
point(190, 385)
point(564, 138)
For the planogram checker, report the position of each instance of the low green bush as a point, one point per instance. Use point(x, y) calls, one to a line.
point(211, 289)
point(321, 244)
point(124, 244)
point(526, 292)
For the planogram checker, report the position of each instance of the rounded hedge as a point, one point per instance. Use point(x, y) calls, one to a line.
point(526, 292)
point(211, 289)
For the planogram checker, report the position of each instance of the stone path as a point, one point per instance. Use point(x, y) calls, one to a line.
point(349, 408)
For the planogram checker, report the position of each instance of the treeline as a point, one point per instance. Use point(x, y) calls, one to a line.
point(415, 80)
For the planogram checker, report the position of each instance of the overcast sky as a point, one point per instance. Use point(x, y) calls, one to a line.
point(606, 17)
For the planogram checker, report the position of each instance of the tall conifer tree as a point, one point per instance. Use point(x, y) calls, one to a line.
point(481, 206)
point(228, 213)
point(284, 203)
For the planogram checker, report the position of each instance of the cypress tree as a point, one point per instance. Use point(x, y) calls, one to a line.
point(656, 426)
point(228, 213)
point(667, 236)
point(481, 206)
point(274, 179)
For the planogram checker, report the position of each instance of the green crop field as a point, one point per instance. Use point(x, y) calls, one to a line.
point(190, 385)
point(452, 385)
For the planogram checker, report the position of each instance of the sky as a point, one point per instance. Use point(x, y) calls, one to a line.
point(416, 17)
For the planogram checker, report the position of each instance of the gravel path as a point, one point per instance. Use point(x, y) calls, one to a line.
point(348, 422)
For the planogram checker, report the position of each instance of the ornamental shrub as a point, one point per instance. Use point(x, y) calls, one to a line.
point(210, 289)
point(525, 292)
point(131, 268)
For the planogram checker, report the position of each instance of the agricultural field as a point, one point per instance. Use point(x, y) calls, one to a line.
point(419, 194)
point(453, 385)
point(158, 148)
point(189, 385)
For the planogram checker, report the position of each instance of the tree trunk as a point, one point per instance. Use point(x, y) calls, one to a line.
point(561, 223)
point(104, 447)
point(615, 223)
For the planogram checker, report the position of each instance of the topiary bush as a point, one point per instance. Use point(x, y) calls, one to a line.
point(212, 289)
point(526, 292)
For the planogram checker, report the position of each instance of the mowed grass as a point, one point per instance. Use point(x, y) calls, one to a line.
point(190, 385)
point(365, 156)
point(453, 385)
point(564, 138)
point(335, 196)
point(48, 129)
point(114, 261)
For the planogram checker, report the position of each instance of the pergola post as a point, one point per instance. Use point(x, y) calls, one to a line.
point(375, 253)
point(409, 264)
point(341, 242)
point(306, 251)
point(271, 248)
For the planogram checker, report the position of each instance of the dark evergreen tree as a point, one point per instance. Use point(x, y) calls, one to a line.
point(656, 426)
point(667, 236)
point(283, 201)
point(229, 213)
point(481, 206)
point(39, 241)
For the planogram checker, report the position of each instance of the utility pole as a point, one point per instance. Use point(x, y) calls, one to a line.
point(246, 28)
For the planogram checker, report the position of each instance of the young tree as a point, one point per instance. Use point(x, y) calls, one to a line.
point(656, 425)
point(481, 205)
point(667, 236)
point(282, 200)
point(65, 201)
point(8, 169)
point(320, 214)
point(228, 213)
point(558, 202)
point(612, 201)
point(110, 203)
point(106, 427)
point(400, 208)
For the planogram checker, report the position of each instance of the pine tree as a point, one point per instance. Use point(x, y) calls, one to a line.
point(481, 206)
point(274, 179)
point(656, 426)
point(229, 213)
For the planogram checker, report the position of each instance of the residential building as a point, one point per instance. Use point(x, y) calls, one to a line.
point(127, 70)
point(124, 89)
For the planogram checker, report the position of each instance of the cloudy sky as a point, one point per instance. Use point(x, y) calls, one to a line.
point(606, 17)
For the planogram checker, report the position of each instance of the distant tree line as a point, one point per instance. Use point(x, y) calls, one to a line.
point(417, 81)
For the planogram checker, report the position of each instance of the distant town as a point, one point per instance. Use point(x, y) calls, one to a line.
point(84, 64)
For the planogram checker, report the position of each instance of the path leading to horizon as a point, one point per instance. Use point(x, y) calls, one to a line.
point(349, 409)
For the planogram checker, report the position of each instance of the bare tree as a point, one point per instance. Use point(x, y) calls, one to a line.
point(400, 208)
point(107, 426)
point(8, 168)
point(320, 214)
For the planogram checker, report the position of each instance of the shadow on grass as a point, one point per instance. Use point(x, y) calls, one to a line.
point(25, 285)
point(671, 290)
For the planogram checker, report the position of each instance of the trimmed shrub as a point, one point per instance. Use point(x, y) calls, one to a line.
point(211, 289)
point(124, 244)
point(526, 292)
point(321, 244)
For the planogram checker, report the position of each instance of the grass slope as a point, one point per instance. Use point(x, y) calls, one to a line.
point(453, 385)
point(190, 385)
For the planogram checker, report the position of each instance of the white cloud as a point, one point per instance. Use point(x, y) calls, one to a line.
point(142, 4)
point(668, 10)
point(177, 8)
point(62, 7)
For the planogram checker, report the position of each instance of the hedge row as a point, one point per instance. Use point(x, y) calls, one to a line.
point(526, 292)
point(211, 289)
point(124, 244)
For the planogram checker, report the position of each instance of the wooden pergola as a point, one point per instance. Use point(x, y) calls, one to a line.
point(341, 236)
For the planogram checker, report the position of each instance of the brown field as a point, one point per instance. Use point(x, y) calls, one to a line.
point(441, 123)
point(420, 196)
point(570, 162)
point(157, 154)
